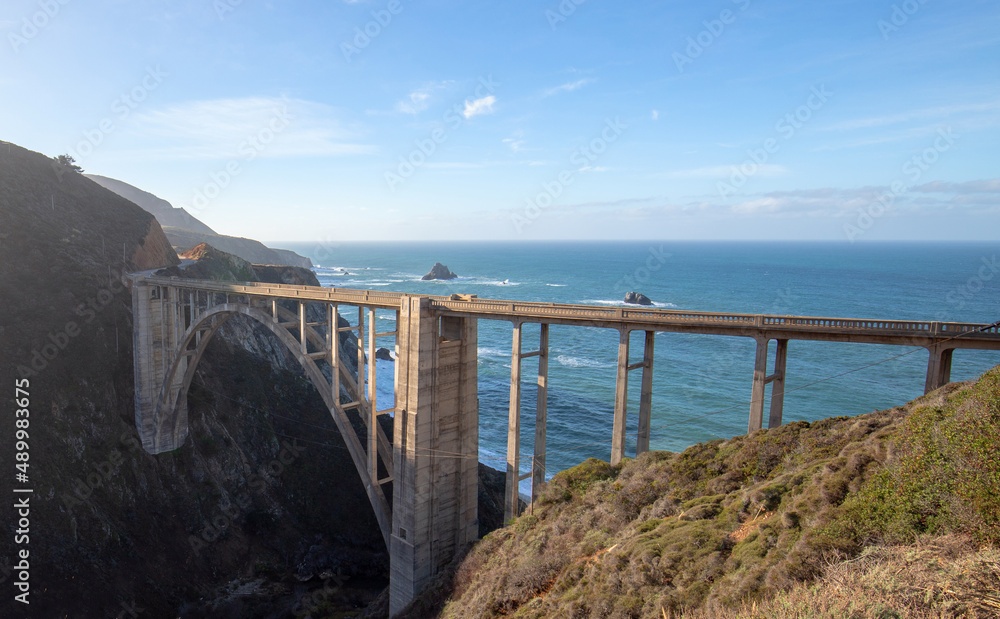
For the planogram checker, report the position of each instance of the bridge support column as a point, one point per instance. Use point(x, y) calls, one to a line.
point(512, 496)
point(621, 399)
point(938, 368)
point(778, 384)
point(646, 395)
point(436, 447)
point(157, 327)
point(541, 415)
point(618, 431)
point(512, 506)
point(761, 380)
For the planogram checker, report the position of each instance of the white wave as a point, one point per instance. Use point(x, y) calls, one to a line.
point(496, 353)
point(493, 282)
point(624, 304)
point(557, 285)
point(581, 362)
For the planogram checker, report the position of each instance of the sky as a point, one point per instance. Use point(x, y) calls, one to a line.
point(338, 120)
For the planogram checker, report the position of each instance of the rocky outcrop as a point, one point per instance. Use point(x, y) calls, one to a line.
point(284, 274)
point(636, 298)
point(384, 354)
point(218, 265)
point(439, 271)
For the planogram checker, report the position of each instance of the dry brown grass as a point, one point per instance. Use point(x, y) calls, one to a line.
point(935, 578)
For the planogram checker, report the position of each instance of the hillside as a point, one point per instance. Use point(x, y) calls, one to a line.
point(113, 527)
point(895, 513)
point(163, 211)
point(186, 232)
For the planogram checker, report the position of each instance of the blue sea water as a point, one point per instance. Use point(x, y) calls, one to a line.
point(701, 384)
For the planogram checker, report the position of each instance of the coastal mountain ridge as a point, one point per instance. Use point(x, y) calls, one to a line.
point(186, 231)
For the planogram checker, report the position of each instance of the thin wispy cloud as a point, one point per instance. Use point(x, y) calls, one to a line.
point(922, 114)
point(479, 107)
point(981, 186)
point(568, 87)
point(223, 128)
point(725, 171)
point(514, 144)
point(420, 99)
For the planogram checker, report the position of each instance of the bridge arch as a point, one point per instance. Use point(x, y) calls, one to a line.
point(170, 416)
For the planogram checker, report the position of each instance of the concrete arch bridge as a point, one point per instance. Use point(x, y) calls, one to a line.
point(432, 460)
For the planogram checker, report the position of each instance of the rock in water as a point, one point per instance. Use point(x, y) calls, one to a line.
point(439, 271)
point(384, 354)
point(636, 298)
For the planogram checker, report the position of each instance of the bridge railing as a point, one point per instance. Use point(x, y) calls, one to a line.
point(540, 312)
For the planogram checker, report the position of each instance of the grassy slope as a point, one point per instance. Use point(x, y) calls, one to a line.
point(893, 509)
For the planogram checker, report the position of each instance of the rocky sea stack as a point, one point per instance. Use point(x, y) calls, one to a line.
point(636, 298)
point(439, 271)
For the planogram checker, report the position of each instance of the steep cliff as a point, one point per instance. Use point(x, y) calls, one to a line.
point(263, 489)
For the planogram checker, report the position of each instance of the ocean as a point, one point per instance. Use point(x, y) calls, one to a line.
point(701, 383)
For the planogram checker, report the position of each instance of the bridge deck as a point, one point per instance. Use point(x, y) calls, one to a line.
point(873, 331)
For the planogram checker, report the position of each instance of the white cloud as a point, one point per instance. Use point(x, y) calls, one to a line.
point(223, 128)
point(479, 106)
point(515, 145)
point(656, 114)
point(567, 87)
point(418, 100)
